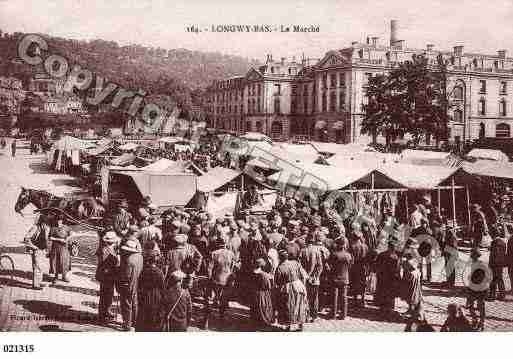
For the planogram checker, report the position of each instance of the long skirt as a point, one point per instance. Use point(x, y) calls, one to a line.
point(262, 309)
point(292, 306)
point(60, 259)
point(148, 314)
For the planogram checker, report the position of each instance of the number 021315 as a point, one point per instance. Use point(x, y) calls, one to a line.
point(18, 348)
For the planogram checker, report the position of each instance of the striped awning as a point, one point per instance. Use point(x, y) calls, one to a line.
point(320, 124)
point(338, 125)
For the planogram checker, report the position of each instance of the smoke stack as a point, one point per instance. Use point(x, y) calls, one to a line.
point(394, 29)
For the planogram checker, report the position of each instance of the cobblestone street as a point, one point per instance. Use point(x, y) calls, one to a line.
point(72, 306)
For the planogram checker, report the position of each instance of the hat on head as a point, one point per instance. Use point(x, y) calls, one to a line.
point(181, 238)
point(131, 246)
point(185, 228)
point(152, 207)
point(476, 206)
point(146, 201)
point(144, 223)
point(293, 223)
point(110, 237)
point(259, 264)
point(123, 204)
point(133, 228)
point(176, 276)
point(176, 224)
point(475, 253)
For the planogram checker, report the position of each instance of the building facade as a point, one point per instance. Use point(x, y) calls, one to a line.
point(324, 101)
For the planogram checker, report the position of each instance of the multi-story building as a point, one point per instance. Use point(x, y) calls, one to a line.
point(325, 101)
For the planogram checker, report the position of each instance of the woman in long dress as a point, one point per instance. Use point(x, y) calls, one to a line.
point(292, 304)
point(60, 258)
point(151, 287)
point(262, 311)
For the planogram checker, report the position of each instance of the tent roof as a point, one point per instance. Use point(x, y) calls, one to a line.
point(372, 159)
point(487, 154)
point(165, 189)
point(338, 177)
point(430, 158)
point(129, 146)
point(70, 143)
point(215, 178)
point(173, 140)
point(419, 177)
point(490, 168)
point(124, 159)
point(160, 165)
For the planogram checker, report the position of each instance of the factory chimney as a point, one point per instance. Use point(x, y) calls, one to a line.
point(394, 32)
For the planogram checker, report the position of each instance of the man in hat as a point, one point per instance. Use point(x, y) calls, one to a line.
point(220, 269)
point(185, 257)
point(130, 269)
point(312, 260)
point(340, 262)
point(176, 304)
point(479, 227)
point(388, 275)
point(358, 273)
point(122, 219)
point(173, 230)
point(412, 285)
point(143, 212)
point(509, 261)
point(478, 283)
point(37, 241)
point(497, 262)
point(107, 274)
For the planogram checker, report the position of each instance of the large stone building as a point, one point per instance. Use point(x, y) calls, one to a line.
point(325, 101)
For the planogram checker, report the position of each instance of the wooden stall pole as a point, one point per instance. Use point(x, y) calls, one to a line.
point(372, 180)
point(453, 202)
point(439, 204)
point(468, 205)
point(407, 206)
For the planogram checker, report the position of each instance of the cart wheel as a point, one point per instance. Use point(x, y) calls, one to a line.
point(74, 249)
point(6, 267)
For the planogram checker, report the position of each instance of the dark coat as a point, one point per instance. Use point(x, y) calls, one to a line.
point(177, 300)
point(340, 263)
point(150, 289)
point(498, 249)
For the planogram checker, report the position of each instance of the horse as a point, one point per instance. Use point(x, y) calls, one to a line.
point(82, 208)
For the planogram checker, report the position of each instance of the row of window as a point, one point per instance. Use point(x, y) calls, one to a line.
point(333, 80)
point(503, 108)
point(502, 130)
point(333, 102)
point(503, 87)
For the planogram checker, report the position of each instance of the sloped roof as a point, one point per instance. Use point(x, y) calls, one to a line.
point(430, 158)
point(418, 177)
point(165, 189)
point(160, 165)
point(330, 178)
point(490, 168)
point(488, 154)
point(216, 178)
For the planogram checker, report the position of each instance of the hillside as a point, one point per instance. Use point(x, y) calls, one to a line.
point(178, 74)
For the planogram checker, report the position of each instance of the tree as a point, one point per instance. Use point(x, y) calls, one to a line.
point(410, 99)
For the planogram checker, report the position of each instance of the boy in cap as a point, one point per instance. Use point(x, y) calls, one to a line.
point(176, 304)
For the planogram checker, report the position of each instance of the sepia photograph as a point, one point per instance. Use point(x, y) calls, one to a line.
point(273, 166)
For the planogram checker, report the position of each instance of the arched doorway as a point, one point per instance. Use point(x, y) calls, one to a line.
point(276, 130)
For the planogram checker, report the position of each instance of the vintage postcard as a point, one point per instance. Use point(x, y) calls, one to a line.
point(266, 166)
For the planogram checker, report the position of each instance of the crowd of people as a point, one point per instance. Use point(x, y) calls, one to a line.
point(288, 266)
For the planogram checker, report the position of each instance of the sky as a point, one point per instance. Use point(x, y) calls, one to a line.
point(481, 26)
